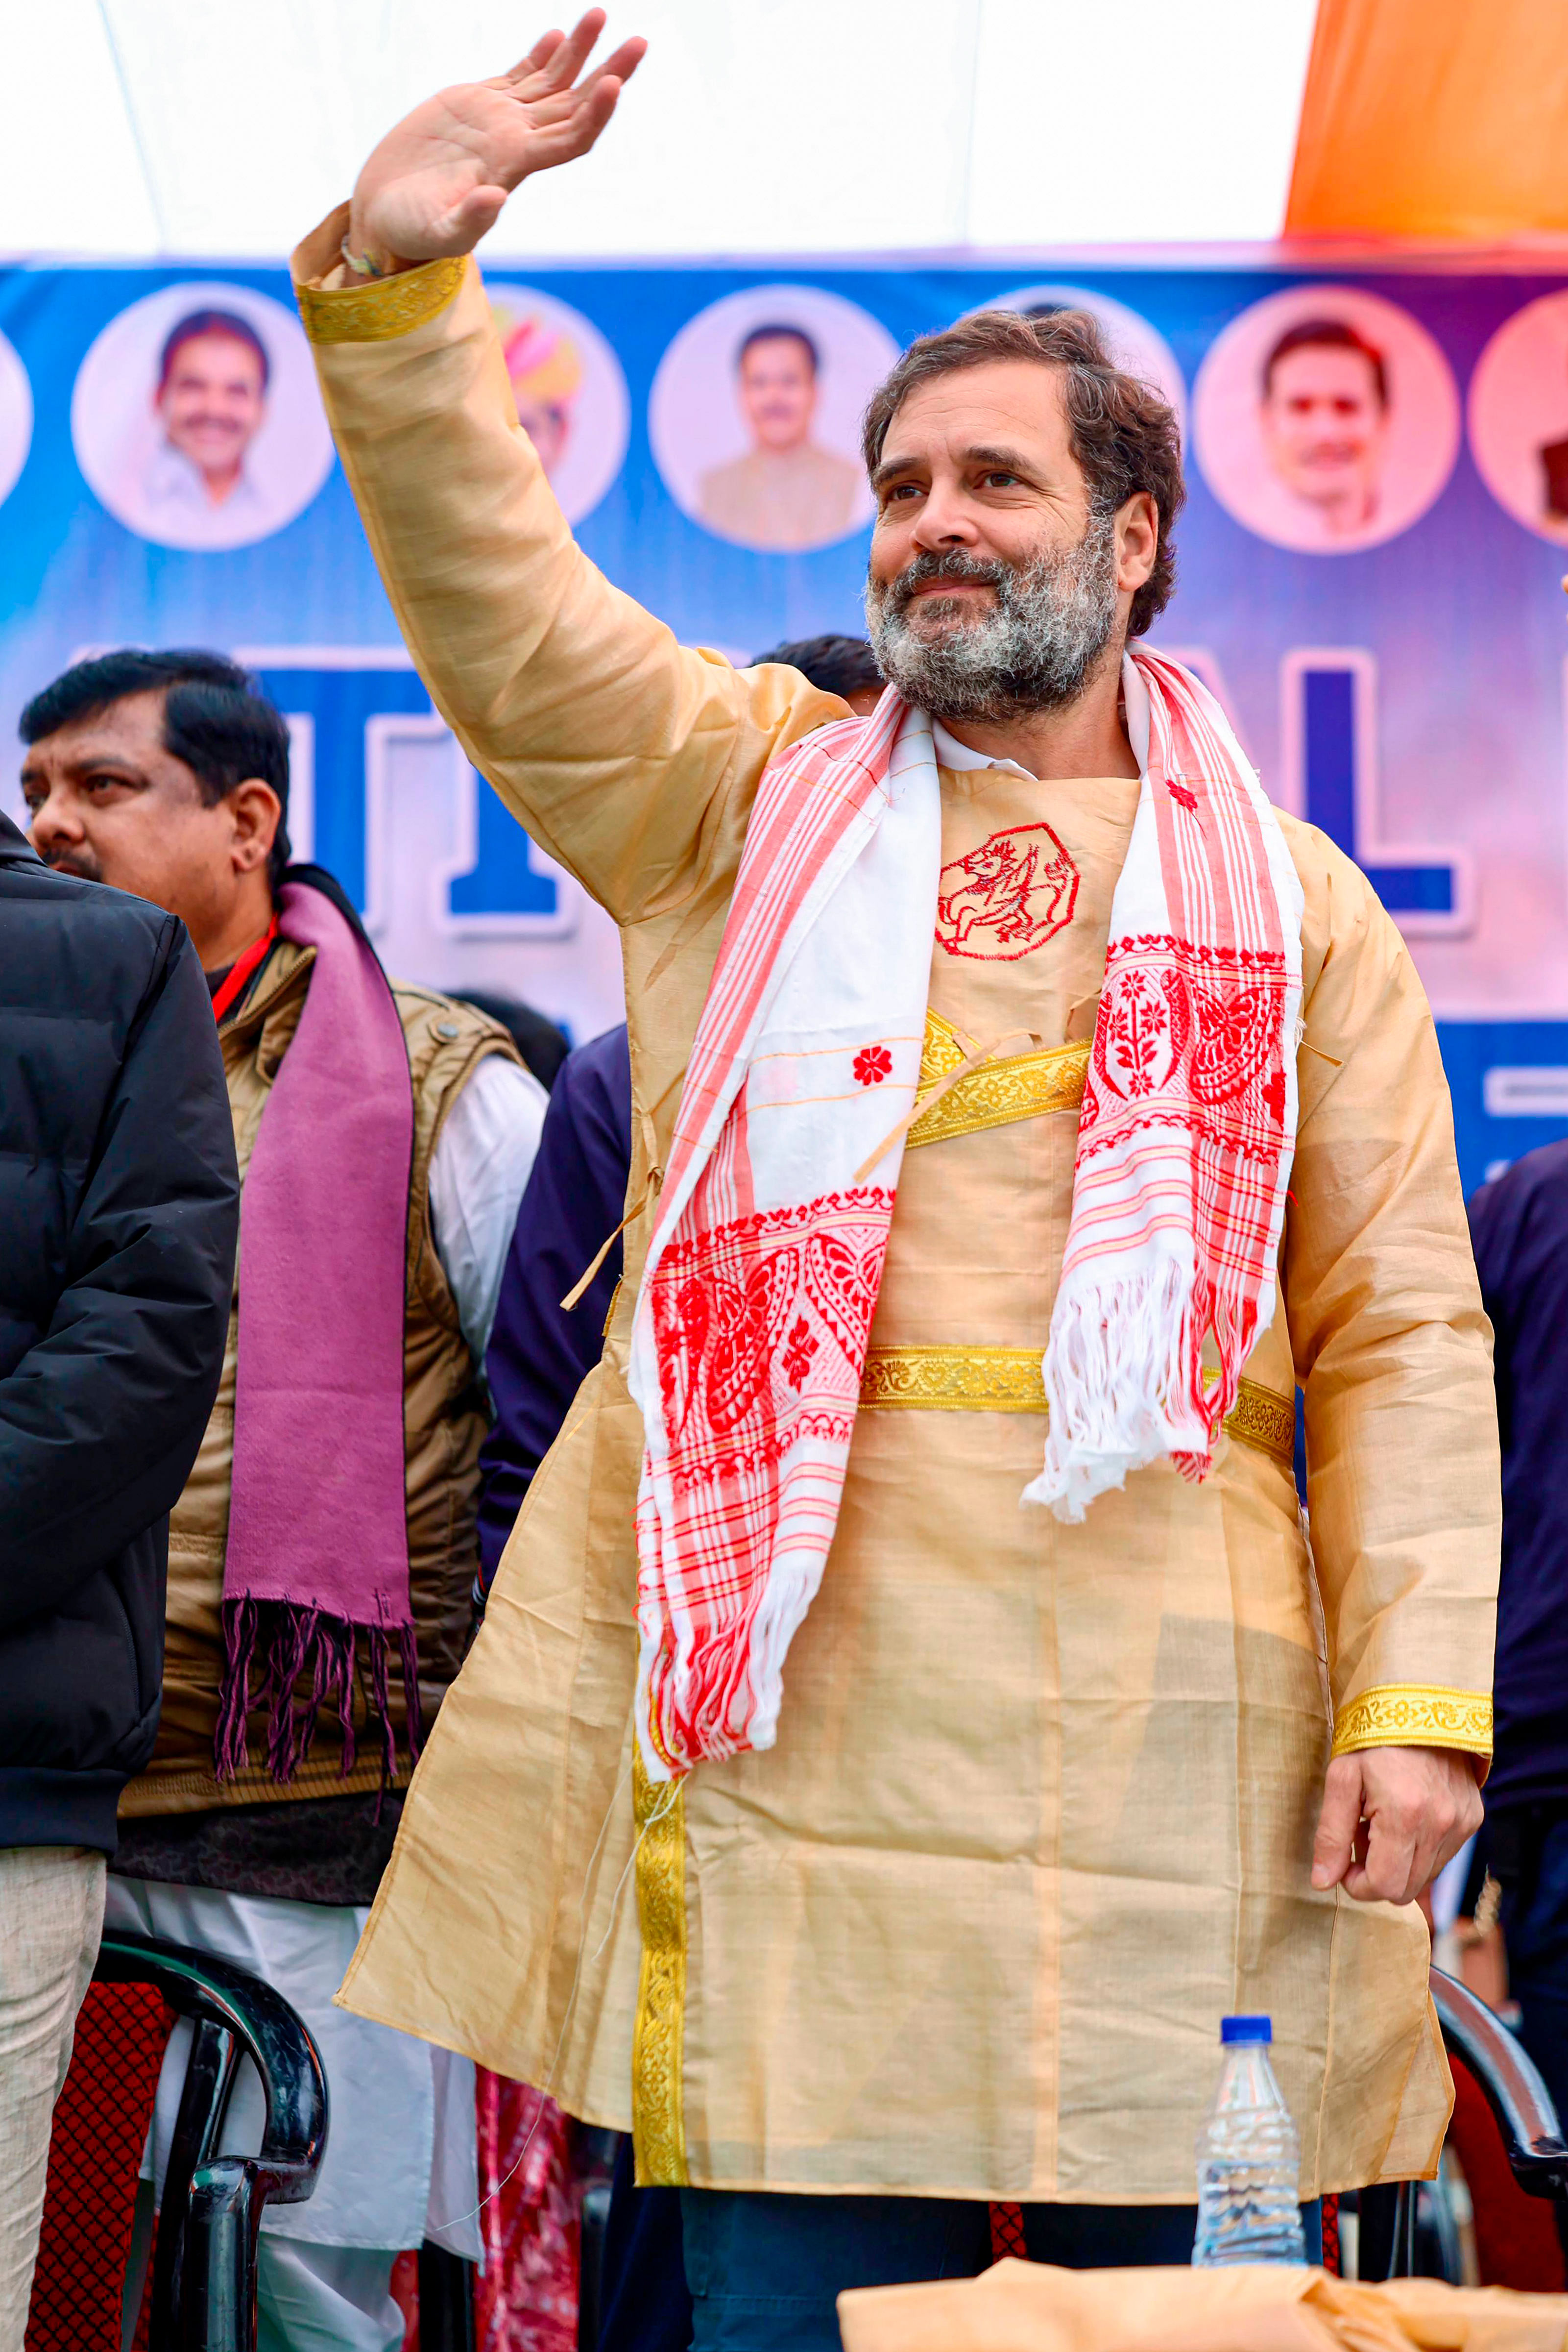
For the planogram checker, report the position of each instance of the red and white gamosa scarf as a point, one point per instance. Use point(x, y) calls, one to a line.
point(755, 1311)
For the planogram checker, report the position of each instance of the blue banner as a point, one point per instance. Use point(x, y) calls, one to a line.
point(1369, 568)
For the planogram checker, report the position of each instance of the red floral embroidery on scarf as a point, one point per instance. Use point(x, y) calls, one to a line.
point(1184, 794)
point(798, 1354)
point(1204, 1026)
point(872, 1066)
point(1007, 898)
point(751, 1302)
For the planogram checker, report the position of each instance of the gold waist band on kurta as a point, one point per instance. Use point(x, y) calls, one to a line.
point(1008, 1380)
point(1027, 1085)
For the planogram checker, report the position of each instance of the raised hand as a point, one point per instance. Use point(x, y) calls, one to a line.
point(438, 182)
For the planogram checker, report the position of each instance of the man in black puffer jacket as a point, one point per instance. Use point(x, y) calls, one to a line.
point(118, 1213)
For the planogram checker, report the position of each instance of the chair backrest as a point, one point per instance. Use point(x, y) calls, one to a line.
point(202, 2294)
point(1511, 2087)
point(95, 2154)
point(1519, 2100)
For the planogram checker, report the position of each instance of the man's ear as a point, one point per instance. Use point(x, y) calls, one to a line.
point(1137, 540)
point(258, 812)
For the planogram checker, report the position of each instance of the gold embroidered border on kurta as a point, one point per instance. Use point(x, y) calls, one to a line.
point(1027, 1086)
point(658, 2122)
point(385, 308)
point(1008, 1380)
point(1414, 1715)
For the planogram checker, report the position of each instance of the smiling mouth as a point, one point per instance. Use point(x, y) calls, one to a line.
point(944, 599)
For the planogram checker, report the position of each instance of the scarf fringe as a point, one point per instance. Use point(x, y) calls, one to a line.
point(1124, 1382)
point(268, 1646)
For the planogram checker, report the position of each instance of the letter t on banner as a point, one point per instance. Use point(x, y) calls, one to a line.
point(345, 706)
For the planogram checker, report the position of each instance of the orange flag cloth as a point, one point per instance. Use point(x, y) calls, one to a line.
point(1433, 119)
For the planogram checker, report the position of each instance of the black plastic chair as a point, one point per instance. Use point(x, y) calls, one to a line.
point(204, 2263)
point(1518, 2099)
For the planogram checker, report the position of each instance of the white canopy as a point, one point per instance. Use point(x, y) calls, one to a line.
point(196, 129)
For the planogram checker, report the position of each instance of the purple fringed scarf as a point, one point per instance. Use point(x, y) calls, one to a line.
point(318, 1544)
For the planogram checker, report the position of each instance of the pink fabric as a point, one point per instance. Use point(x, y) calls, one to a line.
point(316, 1562)
point(525, 2298)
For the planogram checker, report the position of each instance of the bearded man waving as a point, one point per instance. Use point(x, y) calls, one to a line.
point(1023, 1109)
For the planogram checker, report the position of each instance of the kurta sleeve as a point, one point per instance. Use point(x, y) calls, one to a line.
point(1391, 1345)
point(630, 760)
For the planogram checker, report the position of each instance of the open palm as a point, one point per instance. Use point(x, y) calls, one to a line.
point(438, 182)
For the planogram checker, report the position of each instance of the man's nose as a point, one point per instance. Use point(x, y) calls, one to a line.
point(54, 820)
point(945, 521)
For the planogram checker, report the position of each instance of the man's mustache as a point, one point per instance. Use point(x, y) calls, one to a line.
point(954, 565)
point(80, 862)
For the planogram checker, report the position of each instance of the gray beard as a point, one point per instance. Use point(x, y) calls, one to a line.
point(1035, 650)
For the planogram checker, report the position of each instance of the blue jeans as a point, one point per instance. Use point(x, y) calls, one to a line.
point(766, 2271)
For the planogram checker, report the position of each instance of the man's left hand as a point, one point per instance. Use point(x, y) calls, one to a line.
point(1391, 1817)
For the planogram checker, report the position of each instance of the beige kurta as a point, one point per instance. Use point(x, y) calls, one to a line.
point(1041, 1803)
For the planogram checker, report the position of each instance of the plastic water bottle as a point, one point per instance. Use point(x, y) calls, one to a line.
point(1248, 2159)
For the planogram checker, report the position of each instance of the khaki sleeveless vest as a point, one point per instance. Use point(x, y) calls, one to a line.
point(444, 1419)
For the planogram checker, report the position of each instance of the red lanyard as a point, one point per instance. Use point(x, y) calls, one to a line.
point(241, 973)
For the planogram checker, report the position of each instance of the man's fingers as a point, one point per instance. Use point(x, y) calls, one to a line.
point(569, 58)
point(1395, 1864)
point(575, 133)
point(537, 57)
point(622, 65)
point(1334, 1848)
point(1418, 1826)
point(564, 105)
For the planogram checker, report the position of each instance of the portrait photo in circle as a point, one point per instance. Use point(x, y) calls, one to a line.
point(571, 396)
point(1137, 348)
point(1519, 416)
point(15, 418)
point(196, 419)
point(1326, 419)
point(754, 415)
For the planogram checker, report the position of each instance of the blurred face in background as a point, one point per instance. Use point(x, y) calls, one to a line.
point(210, 405)
point(1325, 428)
point(548, 424)
point(779, 392)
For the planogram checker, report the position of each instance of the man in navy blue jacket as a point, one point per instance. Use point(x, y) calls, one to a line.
point(1520, 1228)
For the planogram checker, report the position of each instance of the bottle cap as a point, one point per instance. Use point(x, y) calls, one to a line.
point(1246, 2029)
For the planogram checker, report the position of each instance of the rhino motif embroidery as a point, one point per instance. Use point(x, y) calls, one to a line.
point(1007, 898)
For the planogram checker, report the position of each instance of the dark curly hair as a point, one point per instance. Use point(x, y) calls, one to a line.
point(1124, 435)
